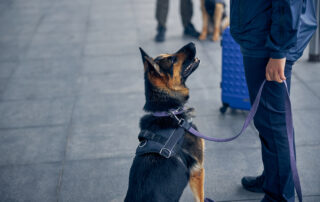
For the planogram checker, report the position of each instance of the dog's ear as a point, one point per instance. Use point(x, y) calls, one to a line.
point(149, 63)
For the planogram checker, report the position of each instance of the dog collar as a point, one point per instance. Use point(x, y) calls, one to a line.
point(171, 112)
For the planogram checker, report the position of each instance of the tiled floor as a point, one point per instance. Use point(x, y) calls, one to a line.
point(71, 94)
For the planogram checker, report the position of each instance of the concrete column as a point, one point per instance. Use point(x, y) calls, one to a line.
point(314, 45)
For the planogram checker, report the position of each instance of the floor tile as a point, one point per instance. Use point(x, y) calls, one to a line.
point(32, 145)
point(107, 64)
point(7, 68)
point(37, 88)
point(29, 183)
point(35, 113)
point(121, 82)
point(96, 177)
point(93, 141)
point(62, 68)
point(108, 108)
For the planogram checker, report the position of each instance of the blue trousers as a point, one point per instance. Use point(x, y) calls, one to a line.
point(271, 124)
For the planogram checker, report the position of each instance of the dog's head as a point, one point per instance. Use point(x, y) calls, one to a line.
point(165, 78)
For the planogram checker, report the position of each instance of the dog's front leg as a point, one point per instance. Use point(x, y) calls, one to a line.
point(197, 184)
point(205, 21)
point(225, 24)
point(217, 21)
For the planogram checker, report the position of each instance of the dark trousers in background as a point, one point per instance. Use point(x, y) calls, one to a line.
point(271, 124)
point(162, 8)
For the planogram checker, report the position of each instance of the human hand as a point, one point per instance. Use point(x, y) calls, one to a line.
point(275, 70)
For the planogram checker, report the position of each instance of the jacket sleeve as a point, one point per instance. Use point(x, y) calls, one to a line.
point(284, 27)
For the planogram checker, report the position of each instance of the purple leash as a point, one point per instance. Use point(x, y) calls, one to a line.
point(249, 118)
point(293, 163)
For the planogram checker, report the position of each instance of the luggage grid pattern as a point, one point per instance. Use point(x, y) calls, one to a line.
point(234, 87)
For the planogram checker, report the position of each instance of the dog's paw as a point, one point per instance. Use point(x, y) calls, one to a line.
point(215, 37)
point(202, 36)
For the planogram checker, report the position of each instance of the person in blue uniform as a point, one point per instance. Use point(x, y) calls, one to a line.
point(268, 34)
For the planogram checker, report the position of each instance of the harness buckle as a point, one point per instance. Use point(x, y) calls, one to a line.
point(185, 124)
point(165, 152)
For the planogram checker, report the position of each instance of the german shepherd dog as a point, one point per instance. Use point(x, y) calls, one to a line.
point(213, 15)
point(154, 178)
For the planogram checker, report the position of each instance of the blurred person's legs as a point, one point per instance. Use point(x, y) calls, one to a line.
point(186, 10)
point(162, 8)
point(253, 183)
point(270, 122)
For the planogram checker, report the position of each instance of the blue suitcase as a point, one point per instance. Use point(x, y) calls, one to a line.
point(233, 85)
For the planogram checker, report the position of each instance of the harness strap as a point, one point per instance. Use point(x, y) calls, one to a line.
point(147, 134)
point(174, 138)
point(155, 143)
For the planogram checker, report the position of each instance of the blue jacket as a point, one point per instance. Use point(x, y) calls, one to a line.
point(266, 28)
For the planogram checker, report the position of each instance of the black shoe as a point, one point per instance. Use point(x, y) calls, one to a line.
point(189, 30)
point(160, 37)
point(253, 184)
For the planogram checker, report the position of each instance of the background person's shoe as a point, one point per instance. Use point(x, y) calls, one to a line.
point(253, 184)
point(160, 37)
point(189, 30)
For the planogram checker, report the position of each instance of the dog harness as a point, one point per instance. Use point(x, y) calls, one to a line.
point(166, 142)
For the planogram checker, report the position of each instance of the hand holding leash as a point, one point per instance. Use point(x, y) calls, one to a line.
point(275, 70)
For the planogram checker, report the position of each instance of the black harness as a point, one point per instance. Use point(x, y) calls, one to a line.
point(166, 142)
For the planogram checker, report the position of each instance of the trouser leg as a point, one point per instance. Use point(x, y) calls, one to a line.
point(162, 12)
point(186, 11)
point(270, 122)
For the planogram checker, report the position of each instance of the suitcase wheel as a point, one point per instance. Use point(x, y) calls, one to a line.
point(224, 108)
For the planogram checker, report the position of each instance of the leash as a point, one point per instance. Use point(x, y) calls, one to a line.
point(289, 125)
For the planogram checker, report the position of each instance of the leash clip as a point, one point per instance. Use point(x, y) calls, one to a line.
point(181, 122)
point(173, 115)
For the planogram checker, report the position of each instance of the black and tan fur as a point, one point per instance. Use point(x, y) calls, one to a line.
point(216, 20)
point(153, 177)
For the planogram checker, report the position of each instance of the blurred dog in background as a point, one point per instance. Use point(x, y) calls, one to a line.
point(214, 18)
